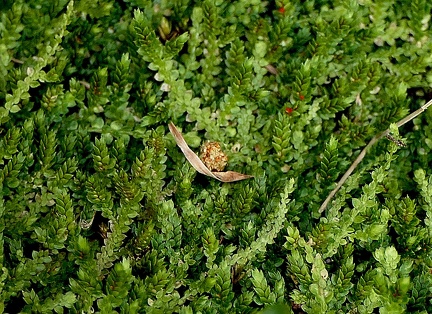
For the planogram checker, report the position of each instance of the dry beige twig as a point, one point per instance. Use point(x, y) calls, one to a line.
point(227, 176)
point(363, 152)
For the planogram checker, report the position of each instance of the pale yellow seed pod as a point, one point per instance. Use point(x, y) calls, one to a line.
point(213, 157)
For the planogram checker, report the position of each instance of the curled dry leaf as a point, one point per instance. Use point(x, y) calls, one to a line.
point(195, 161)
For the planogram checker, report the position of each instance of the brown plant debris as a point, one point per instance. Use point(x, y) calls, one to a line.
point(197, 163)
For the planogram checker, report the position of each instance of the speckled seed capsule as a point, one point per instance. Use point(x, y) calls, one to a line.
point(213, 157)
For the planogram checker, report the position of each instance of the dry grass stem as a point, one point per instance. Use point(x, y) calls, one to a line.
point(363, 152)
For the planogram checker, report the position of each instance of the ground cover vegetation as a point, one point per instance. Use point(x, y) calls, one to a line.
point(100, 211)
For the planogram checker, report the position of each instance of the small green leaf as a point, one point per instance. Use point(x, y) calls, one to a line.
point(15, 109)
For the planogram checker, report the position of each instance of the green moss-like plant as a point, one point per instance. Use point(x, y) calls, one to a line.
point(100, 211)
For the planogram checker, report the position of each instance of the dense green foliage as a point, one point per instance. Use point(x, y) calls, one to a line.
point(100, 211)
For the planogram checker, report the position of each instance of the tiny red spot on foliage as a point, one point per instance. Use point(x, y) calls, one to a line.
point(289, 110)
point(281, 10)
point(301, 97)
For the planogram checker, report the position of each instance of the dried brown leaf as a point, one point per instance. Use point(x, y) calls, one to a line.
point(231, 176)
point(271, 69)
point(195, 161)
